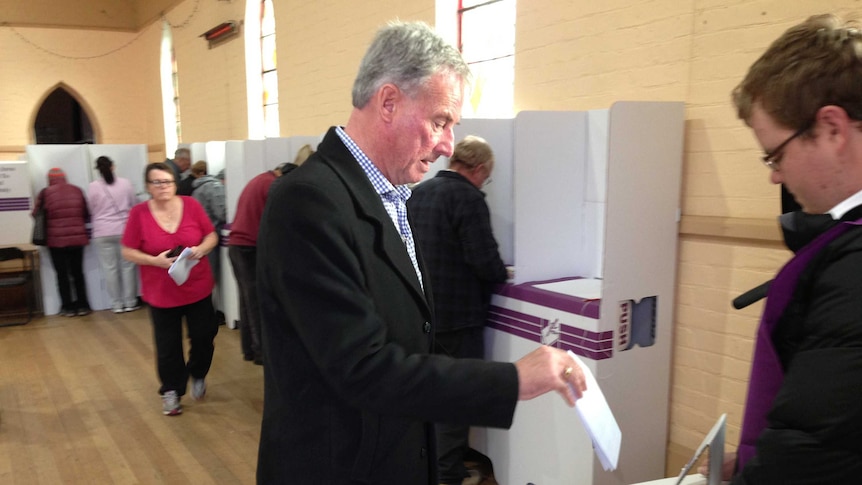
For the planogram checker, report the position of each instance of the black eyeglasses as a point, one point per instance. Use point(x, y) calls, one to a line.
point(773, 158)
point(160, 183)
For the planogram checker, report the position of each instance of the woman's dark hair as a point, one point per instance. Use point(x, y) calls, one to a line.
point(103, 165)
point(157, 166)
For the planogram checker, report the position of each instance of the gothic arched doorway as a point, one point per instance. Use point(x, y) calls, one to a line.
point(62, 119)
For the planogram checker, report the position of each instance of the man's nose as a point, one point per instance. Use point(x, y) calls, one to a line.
point(446, 145)
point(775, 177)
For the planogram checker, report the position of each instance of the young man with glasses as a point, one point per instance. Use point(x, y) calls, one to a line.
point(803, 415)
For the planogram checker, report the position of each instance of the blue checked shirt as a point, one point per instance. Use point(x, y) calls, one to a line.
point(394, 198)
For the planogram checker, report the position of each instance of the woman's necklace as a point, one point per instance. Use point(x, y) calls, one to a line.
point(166, 216)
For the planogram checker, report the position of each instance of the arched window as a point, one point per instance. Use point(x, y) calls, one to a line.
point(170, 92)
point(486, 38)
point(269, 74)
point(261, 73)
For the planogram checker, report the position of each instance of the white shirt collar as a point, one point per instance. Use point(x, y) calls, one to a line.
point(844, 207)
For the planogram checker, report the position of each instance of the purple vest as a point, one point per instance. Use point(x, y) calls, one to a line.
point(766, 372)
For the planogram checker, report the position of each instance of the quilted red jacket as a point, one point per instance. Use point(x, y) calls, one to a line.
point(67, 214)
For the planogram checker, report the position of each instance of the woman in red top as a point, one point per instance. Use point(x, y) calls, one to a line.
point(154, 229)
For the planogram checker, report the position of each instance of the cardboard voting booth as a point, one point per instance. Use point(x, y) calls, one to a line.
point(585, 205)
point(78, 162)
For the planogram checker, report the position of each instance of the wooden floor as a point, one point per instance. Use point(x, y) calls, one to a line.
point(79, 404)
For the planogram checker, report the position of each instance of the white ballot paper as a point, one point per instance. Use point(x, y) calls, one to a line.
point(598, 419)
point(182, 266)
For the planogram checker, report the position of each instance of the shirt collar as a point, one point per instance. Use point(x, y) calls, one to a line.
point(843, 207)
point(381, 185)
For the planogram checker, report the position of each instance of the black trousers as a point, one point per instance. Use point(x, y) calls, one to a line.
point(243, 260)
point(69, 264)
point(173, 368)
point(453, 440)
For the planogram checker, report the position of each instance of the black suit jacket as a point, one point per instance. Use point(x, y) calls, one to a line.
point(350, 388)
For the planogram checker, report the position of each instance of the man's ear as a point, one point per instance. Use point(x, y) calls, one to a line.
point(388, 97)
point(835, 123)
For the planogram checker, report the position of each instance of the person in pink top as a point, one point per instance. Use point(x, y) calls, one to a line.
point(110, 200)
point(155, 230)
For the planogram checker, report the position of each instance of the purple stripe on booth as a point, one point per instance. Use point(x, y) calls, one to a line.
point(591, 354)
point(516, 332)
point(515, 323)
point(224, 235)
point(593, 345)
point(15, 204)
point(572, 304)
point(588, 344)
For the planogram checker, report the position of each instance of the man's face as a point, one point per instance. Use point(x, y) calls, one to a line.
point(422, 129)
point(479, 175)
point(183, 163)
point(805, 168)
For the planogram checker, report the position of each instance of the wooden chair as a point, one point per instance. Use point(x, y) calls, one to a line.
point(17, 276)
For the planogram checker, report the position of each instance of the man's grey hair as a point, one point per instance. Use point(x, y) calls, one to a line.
point(405, 54)
point(183, 153)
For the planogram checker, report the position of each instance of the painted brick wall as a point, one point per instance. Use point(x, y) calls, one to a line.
point(212, 82)
point(114, 75)
point(587, 55)
point(320, 45)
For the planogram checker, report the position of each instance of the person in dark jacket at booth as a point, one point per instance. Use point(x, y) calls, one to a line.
point(453, 230)
point(67, 217)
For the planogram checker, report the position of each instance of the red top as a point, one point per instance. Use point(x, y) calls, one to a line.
point(249, 210)
point(66, 213)
point(158, 289)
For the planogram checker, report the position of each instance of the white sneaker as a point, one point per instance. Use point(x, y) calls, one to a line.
point(171, 404)
point(199, 388)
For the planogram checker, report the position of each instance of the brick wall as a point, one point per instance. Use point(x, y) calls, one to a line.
point(590, 54)
point(212, 82)
point(113, 74)
point(320, 45)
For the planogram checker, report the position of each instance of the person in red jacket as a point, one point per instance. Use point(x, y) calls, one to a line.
point(242, 250)
point(66, 215)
